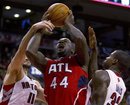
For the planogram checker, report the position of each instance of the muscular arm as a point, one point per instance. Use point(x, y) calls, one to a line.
point(80, 43)
point(93, 66)
point(93, 63)
point(99, 86)
point(15, 72)
point(15, 66)
point(37, 58)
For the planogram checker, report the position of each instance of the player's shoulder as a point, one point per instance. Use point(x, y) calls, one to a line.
point(101, 75)
point(100, 72)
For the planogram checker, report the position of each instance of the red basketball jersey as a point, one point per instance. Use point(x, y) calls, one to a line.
point(65, 82)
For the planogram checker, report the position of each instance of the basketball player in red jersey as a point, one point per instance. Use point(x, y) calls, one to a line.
point(18, 89)
point(65, 78)
point(106, 86)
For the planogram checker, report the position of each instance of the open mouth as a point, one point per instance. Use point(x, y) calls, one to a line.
point(60, 47)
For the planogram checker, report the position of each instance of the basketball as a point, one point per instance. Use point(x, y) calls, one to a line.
point(58, 13)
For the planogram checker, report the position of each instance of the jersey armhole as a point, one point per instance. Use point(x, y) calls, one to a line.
point(49, 61)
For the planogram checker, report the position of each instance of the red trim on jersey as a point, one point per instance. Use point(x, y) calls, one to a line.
point(79, 100)
point(118, 73)
point(4, 103)
point(8, 87)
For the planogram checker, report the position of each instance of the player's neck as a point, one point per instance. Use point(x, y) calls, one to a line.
point(64, 55)
point(115, 69)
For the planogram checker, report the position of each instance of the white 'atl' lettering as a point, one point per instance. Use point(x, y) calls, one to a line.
point(59, 68)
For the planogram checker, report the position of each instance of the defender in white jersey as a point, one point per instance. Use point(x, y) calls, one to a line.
point(115, 90)
point(106, 86)
point(18, 89)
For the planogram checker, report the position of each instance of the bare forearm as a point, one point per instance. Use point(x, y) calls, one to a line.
point(93, 65)
point(39, 29)
point(81, 46)
point(75, 33)
point(34, 43)
point(37, 58)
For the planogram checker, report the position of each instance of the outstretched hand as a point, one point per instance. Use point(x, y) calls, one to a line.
point(43, 27)
point(92, 38)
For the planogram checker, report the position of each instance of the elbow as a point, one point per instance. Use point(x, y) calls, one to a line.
point(29, 53)
point(31, 56)
point(81, 38)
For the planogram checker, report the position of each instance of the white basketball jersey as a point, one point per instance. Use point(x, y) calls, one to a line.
point(116, 89)
point(22, 93)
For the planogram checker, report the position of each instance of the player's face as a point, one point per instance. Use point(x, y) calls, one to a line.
point(109, 61)
point(64, 46)
point(26, 63)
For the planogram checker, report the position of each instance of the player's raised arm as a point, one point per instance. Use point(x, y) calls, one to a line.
point(93, 65)
point(20, 54)
point(36, 57)
point(79, 39)
point(16, 63)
